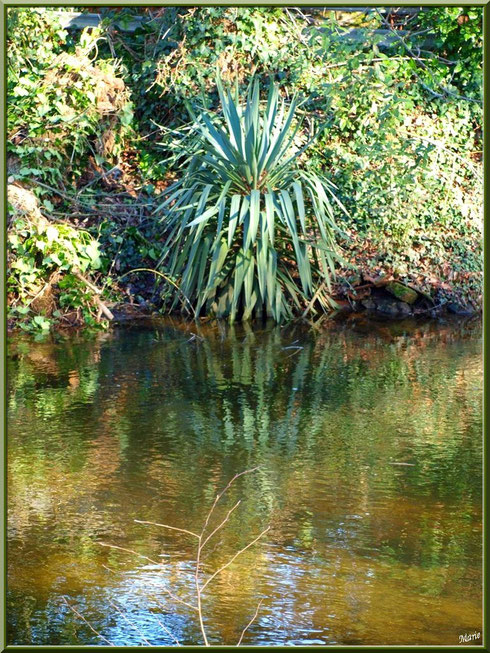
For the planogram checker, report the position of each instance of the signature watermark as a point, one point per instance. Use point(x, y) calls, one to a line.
point(469, 637)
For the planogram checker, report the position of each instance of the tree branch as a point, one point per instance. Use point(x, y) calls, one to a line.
point(172, 528)
point(250, 622)
point(218, 496)
point(88, 624)
point(164, 627)
point(234, 558)
point(121, 548)
point(130, 623)
point(220, 525)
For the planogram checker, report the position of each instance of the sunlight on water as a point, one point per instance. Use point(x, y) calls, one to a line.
point(369, 442)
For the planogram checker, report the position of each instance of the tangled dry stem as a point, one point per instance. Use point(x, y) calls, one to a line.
point(203, 538)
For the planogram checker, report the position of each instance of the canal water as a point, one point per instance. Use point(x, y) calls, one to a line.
point(367, 439)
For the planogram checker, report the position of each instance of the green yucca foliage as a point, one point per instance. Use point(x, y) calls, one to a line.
point(248, 229)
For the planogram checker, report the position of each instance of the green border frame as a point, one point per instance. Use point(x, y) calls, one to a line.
point(3, 328)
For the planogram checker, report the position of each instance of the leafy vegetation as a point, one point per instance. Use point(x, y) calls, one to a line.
point(63, 107)
point(456, 64)
point(400, 107)
point(46, 281)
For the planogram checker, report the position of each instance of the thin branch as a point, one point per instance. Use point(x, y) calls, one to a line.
point(199, 589)
point(102, 307)
point(440, 146)
point(164, 627)
point(221, 525)
point(130, 623)
point(175, 598)
point(341, 64)
point(218, 496)
point(172, 528)
point(69, 198)
point(234, 558)
point(247, 471)
point(250, 622)
point(38, 294)
point(88, 624)
point(121, 548)
point(417, 58)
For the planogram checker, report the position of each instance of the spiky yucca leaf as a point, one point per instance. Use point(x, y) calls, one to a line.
point(248, 229)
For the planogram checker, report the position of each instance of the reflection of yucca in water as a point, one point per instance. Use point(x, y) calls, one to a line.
point(201, 578)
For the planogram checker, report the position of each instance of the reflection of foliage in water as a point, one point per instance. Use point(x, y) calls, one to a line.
point(148, 423)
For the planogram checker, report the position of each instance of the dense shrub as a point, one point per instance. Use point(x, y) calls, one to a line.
point(456, 57)
point(47, 264)
point(401, 131)
point(62, 105)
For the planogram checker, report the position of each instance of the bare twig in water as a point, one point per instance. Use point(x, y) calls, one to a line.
point(143, 638)
point(121, 548)
point(176, 598)
point(173, 528)
point(203, 539)
point(221, 525)
point(234, 558)
point(104, 639)
point(162, 624)
point(250, 622)
point(164, 628)
point(218, 496)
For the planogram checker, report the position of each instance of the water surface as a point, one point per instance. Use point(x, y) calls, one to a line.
point(369, 446)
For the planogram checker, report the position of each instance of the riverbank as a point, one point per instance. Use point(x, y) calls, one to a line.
point(94, 149)
point(360, 286)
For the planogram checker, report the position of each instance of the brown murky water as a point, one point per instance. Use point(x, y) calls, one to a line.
point(369, 442)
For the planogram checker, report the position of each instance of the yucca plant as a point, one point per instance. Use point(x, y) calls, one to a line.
point(249, 230)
